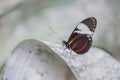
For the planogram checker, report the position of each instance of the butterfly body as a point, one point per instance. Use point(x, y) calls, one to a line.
point(80, 39)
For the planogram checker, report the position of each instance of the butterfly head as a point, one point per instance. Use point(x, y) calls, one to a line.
point(66, 44)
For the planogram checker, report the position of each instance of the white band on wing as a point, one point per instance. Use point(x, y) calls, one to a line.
point(83, 29)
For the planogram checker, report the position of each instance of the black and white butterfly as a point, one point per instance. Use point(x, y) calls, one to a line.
point(80, 39)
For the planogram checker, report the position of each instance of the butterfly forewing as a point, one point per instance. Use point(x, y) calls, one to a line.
point(81, 38)
point(91, 23)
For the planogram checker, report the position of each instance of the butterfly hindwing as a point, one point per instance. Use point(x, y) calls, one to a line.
point(81, 38)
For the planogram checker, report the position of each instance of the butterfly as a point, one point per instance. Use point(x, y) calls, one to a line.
point(80, 39)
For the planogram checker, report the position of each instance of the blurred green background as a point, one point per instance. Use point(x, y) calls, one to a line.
point(31, 19)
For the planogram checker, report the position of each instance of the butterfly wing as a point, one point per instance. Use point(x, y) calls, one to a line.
point(81, 38)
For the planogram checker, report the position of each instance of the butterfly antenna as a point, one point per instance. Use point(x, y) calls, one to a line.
point(59, 37)
point(55, 37)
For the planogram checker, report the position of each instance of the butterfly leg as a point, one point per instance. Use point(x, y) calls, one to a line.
point(63, 52)
point(71, 56)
